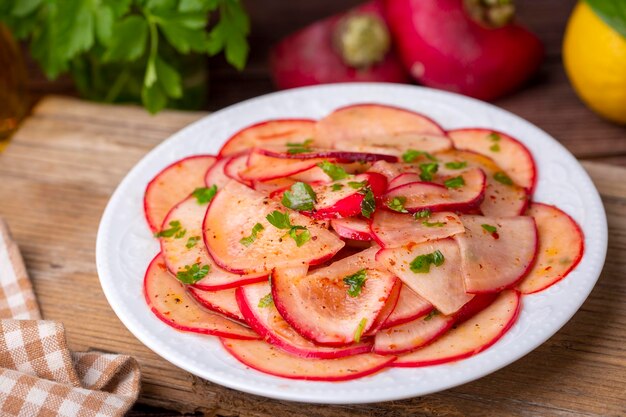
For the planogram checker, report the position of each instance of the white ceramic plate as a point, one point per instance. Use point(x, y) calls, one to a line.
point(125, 245)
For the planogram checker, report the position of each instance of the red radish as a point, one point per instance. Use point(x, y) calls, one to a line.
point(340, 156)
point(471, 337)
point(508, 153)
point(496, 252)
point(379, 128)
point(185, 248)
point(352, 228)
point(467, 47)
point(412, 335)
point(222, 301)
point(474, 306)
point(319, 306)
point(393, 230)
point(353, 46)
point(272, 247)
point(262, 316)
point(172, 184)
point(235, 166)
point(265, 168)
point(271, 360)
point(469, 193)
point(216, 175)
point(387, 169)
point(170, 302)
point(270, 132)
point(390, 305)
point(561, 247)
point(441, 285)
point(409, 307)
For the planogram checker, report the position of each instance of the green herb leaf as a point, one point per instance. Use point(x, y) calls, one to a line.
point(205, 195)
point(434, 312)
point(421, 264)
point(169, 79)
point(129, 39)
point(249, 240)
point(357, 185)
point(397, 204)
point(422, 214)
point(612, 12)
point(355, 282)
point(297, 148)
point(279, 220)
point(192, 274)
point(302, 237)
point(336, 187)
point(192, 241)
point(494, 137)
point(502, 178)
point(300, 197)
point(428, 170)
point(266, 301)
point(368, 204)
point(454, 182)
point(434, 224)
point(335, 172)
point(175, 230)
point(411, 155)
point(495, 147)
point(489, 228)
point(456, 165)
point(438, 258)
point(230, 34)
point(359, 330)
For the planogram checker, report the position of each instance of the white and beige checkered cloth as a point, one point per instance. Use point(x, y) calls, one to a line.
point(39, 376)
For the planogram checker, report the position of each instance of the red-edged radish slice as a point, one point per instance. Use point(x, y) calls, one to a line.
point(561, 247)
point(318, 305)
point(387, 169)
point(412, 335)
point(468, 338)
point(312, 153)
point(409, 307)
point(442, 285)
point(173, 184)
point(507, 152)
point(390, 305)
point(380, 127)
point(474, 306)
point(235, 166)
point(222, 301)
point(262, 316)
point(352, 228)
point(271, 360)
point(271, 132)
point(272, 247)
point(216, 175)
point(493, 260)
point(273, 187)
point(393, 230)
point(404, 178)
point(265, 168)
point(170, 302)
point(181, 252)
point(437, 197)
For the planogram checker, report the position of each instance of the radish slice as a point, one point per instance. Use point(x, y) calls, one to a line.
point(264, 318)
point(437, 197)
point(318, 305)
point(216, 175)
point(271, 360)
point(173, 184)
point(272, 247)
point(264, 168)
point(404, 178)
point(470, 337)
point(273, 187)
point(561, 246)
point(235, 165)
point(387, 169)
point(312, 153)
point(442, 285)
point(179, 253)
point(393, 230)
point(409, 307)
point(170, 302)
point(222, 301)
point(352, 228)
point(412, 335)
point(380, 129)
point(493, 260)
point(271, 132)
point(507, 152)
point(390, 305)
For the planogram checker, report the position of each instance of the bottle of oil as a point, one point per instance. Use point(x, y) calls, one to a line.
point(13, 94)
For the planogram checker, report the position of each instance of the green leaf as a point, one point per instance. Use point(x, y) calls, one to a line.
point(170, 80)
point(160, 5)
point(205, 194)
point(489, 228)
point(75, 27)
point(153, 98)
point(128, 42)
point(104, 21)
point(411, 155)
point(422, 214)
point(456, 164)
point(428, 170)
point(494, 137)
point(434, 312)
point(249, 240)
point(357, 185)
point(192, 241)
point(193, 273)
point(397, 204)
point(300, 237)
point(335, 172)
point(266, 301)
point(184, 31)
point(421, 264)
point(455, 182)
point(336, 187)
point(612, 12)
point(279, 220)
point(433, 224)
point(300, 197)
point(193, 6)
point(502, 178)
point(174, 230)
point(297, 148)
point(359, 330)
point(23, 8)
point(495, 147)
point(355, 282)
point(368, 204)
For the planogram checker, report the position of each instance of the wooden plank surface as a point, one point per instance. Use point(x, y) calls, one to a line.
point(57, 175)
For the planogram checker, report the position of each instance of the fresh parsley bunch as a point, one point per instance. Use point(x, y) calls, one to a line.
point(121, 50)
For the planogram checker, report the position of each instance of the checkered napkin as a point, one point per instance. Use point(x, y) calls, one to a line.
point(39, 376)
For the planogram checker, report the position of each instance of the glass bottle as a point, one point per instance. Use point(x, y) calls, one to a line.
point(13, 93)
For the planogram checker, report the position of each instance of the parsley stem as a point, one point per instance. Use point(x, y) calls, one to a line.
point(154, 46)
point(117, 86)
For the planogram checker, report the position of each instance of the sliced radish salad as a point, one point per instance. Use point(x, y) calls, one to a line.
point(372, 238)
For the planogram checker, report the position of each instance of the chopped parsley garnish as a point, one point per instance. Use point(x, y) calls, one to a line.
point(359, 330)
point(192, 241)
point(281, 221)
point(299, 197)
point(489, 228)
point(494, 137)
point(456, 164)
point(411, 155)
point(428, 170)
point(454, 182)
point(368, 205)
point(335, 172)
point(502, 178)
point(422, 214)
point(397, 204)
point(205, 195)
point(434, 312)
point(193, 273)
point(495, 147)
point(421, 264)
point(296, 148)
point(355, 282)
point(176, 231)
point(247, 241)
point(266, 301)
point(336, 187)
point(357, 185)
point(433, 224)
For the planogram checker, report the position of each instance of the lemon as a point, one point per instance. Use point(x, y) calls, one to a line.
point(594, 56)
